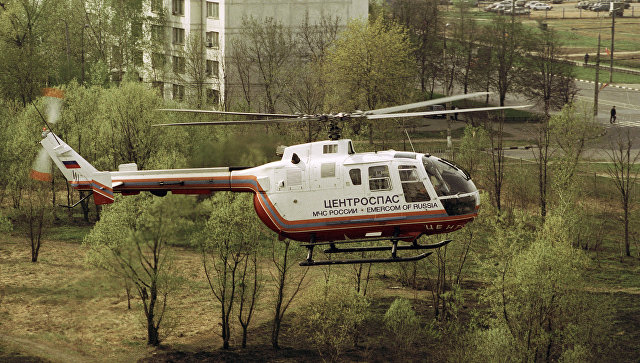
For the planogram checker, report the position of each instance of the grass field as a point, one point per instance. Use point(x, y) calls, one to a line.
point(618, 78)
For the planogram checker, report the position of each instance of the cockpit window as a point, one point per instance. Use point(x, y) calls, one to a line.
point(446, 178)
point(412, 187)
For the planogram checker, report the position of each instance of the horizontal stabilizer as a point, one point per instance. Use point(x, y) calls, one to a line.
point(101, 187)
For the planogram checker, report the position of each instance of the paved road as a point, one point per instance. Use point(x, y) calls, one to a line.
point(627, 102)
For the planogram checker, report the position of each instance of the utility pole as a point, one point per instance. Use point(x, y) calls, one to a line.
point(446, 90)
point(613, 28)
point(597, 88)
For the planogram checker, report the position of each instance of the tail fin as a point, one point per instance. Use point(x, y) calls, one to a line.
point(78, 172)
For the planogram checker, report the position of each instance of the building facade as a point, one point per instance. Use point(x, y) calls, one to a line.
point(189, 39)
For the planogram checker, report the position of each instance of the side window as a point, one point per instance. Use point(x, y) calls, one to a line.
point(356, 178)
point(330, 149)
point(379, 178)
point(412, 186)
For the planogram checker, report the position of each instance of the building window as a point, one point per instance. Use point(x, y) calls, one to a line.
point(179, 64)
point(116, 56)
point(213, 10)
point(213, 39)
point(212, 68)
point(157, 61)
point(136, 30)
point(213, 96)
point(379, 178)
point(157, 33)
point(177, 7)
point(159, 86)
point(178, 36)
point(178, 92)
point(156, 6)
point(138, 58)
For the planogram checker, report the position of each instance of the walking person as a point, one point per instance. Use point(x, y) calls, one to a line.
point(612, 119)
point(586, 58)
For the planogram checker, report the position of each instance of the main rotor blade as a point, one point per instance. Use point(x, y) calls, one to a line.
point(429, 113)
point(228, 112)
point(240, 122)
point(425, 103)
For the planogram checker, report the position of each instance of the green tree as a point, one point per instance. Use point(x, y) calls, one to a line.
point(472, 146)
point(288, 282)
point(132, 242)
point(37, 216)
point(624, 174)
point(424, 25)
point(127, 115)
point(537, 296)
point(466, 35)
point(403, 323)
point(369, 66)
point(27, 47)
point(225, 256)
point(194, 54)
point(332, 317)
point(546, 79)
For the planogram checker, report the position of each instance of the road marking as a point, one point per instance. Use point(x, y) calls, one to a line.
point(624, 123)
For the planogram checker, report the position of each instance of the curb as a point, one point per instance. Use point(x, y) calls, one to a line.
point(610, 85)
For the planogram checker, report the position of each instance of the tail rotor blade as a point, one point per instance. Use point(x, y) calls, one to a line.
point(53, 104)
point(41, 168)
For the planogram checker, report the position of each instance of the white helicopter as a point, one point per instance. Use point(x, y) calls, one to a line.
point(319, 193)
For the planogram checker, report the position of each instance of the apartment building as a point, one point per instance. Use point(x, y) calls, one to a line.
point(175, 23)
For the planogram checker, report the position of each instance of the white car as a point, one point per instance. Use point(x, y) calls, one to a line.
point(540, 6)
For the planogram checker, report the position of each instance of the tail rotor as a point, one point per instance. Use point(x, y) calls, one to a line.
point(42, 166)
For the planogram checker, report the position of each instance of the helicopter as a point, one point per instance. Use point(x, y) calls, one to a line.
point(320, 193)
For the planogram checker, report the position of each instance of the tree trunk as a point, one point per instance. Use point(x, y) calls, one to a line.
point(244, 335)
point(153, 337)
point(627, 249)
point(277, 320)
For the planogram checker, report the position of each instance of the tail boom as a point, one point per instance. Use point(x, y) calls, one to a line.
point(129, 181)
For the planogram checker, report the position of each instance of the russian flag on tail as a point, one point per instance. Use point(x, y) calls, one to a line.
point(71, 164)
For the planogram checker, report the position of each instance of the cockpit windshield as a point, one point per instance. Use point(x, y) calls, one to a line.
point(453, 186)
point(446, 178)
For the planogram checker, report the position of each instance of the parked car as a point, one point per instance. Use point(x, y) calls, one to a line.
point(518, 10)
point(530, 3)
point(583, 5)
point(599, 7)
point(491, 7)
point(436, 108)
point(540, 6)
point(619, 12)
point(500, 8)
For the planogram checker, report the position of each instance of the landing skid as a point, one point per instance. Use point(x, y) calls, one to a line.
point(393, 248)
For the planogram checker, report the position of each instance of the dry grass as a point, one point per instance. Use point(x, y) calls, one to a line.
point(74, 310)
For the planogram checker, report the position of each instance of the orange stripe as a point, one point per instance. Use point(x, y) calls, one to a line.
point(53, 92)
point(38, 175)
